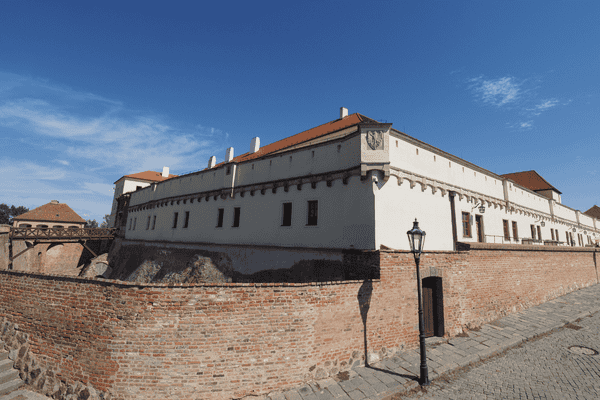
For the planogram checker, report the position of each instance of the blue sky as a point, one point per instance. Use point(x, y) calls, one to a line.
point(91, 91)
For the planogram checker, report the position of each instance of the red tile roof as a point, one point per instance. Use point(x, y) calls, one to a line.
point(54, 212)
point(152, 176)
point(593, 212)
point(313, 133)
point(530, 180)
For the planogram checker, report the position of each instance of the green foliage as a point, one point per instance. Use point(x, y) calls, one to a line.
point(106, 218)
point(8, 213)
point(91, 223)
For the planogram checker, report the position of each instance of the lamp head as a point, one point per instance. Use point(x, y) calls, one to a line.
point(416, 239)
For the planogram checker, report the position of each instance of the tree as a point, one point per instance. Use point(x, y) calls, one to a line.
point(106, 221)
point(91, 223)
point(7, 214)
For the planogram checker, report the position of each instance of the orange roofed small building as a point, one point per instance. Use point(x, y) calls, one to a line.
point(51, 215)
point(133, 182)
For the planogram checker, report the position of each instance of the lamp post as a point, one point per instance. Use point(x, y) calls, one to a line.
point(416, 238)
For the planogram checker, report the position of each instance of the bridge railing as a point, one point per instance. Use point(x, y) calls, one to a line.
point(61, 233)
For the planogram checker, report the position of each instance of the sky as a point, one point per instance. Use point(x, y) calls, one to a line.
point(92, 91)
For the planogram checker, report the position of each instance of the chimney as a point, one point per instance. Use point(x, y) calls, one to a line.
point(255, 145)
point(53, 201)
point(229, 154)
point(165, 173)
point(343, 112)
point(212, 162)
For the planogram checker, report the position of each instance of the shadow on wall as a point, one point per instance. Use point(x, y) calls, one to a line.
point(161, 265)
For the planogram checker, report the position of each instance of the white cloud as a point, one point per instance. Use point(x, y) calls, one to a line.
point(111, 137)
point(102, 188)
point(63, 162)
point(543, 106)
point(525, 125)
point(498, 92)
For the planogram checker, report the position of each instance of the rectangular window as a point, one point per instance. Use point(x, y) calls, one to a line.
point(153, 222)
point(175, 217)
point(515, 231)
point(552, 233)
point(556, 235)
point(506, 230)
point(187, 219)
point(148, 224)
point(134, 223)
point(130, 223)
point(466, 222)
point(236, 217)
point(539, 233)
point(533, 232)
point(313, 212)
point(287, 214)
point(580, 238)
point(220, 218)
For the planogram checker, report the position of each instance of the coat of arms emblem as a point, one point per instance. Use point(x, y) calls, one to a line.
point(375, 140)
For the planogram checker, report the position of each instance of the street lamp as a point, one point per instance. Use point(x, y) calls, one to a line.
point(416, 238)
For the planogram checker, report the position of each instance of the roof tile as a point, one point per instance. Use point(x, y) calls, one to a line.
point(530, 180)
point(54, 212)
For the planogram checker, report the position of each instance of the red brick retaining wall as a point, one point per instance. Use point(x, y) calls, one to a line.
point(219, 341)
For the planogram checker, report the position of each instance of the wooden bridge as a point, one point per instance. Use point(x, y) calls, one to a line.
point(60, 234)
point(54, 235)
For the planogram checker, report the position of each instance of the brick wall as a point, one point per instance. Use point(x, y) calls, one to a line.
point(219, 341)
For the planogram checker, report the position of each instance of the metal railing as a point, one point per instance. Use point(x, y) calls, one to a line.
point(61, 233)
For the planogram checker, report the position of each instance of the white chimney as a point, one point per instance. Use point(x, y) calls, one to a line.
point(53, 201)
point(229, 154)
point(255, 145)
point(343, 112)
point(165, 173)
point(212, 162)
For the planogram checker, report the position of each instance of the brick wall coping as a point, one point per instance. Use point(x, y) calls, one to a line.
point(523, 247)
point(124, 284)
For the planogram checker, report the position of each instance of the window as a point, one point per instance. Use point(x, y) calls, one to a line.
point(556, 235)
point(175, 217)
point(515, 231)
point(130, 223)
point(533, 232)
point(236, 217)
point(506, 231)
point(466, 223)
point(313, 212)
point(539, 233)
point(153, 222)
point(138, 187)
point(287, 215)
point(228, 171)
point(148, 224)
point(552, 233)
point(580, 239)
point(220, 218)
point(134, 223)
point(187, 219)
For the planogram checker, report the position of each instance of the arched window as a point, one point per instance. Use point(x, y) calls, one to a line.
point(58, 227)
point(73, 227)
point(44, 227)
point(24, 225)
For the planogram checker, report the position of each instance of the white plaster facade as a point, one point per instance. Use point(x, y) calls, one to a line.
point(370, 182)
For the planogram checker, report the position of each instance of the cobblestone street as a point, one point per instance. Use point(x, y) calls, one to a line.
point(543, 368)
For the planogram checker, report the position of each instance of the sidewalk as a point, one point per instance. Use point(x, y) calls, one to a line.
point(399, 373)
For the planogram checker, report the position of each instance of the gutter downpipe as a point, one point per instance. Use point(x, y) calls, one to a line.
point(451, 195)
